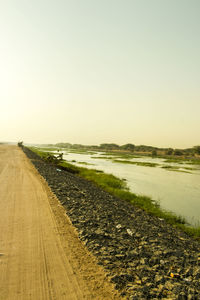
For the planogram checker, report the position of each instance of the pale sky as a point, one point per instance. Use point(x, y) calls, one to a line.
point(100, 71)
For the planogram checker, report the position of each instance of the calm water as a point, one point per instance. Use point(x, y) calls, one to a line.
point(176, 191)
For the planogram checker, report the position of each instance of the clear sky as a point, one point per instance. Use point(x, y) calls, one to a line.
point(91, 72)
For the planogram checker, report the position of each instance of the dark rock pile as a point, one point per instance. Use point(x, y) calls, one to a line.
point(145, 257)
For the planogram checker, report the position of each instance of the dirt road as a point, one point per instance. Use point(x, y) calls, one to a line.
point(41, 256)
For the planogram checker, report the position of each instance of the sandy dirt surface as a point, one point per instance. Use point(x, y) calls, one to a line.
point(41, 256)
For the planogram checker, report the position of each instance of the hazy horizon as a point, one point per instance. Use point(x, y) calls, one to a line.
point(91, 72)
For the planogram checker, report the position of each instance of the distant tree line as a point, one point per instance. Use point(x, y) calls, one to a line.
point(132, 148)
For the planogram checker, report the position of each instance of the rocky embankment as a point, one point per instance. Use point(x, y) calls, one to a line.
point(145, 257)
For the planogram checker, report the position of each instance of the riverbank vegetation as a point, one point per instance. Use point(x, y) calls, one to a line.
point(118, 187)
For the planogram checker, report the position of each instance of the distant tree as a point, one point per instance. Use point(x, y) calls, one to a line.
point(189, 151)
point(154, 153)
point(144, 148)
point(129, 147)
point(77, 146)
point(197, 149)
point(178, 152)
point(63, 145)
point(169, 151)
point(109, 146)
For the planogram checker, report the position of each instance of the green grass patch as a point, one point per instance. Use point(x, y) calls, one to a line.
point(42, 153)
point(138, 163)
point(84, 163)
point(102, 157)
point(183, 161)
point(118, 188)
point(173, 160)
point(170, 168)
point(176, 169)
point(190, 169)
point(193, 162)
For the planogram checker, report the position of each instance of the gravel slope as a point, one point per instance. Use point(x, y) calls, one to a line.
point(146, 258)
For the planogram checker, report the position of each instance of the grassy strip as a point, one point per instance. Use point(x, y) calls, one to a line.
point(191, 169)
point(84, 163)
point(102, 157)
point(183, 161)
point(176, 169)
point(41, 152)
point(116, 157)
point(138, 163)
point(118, 187)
